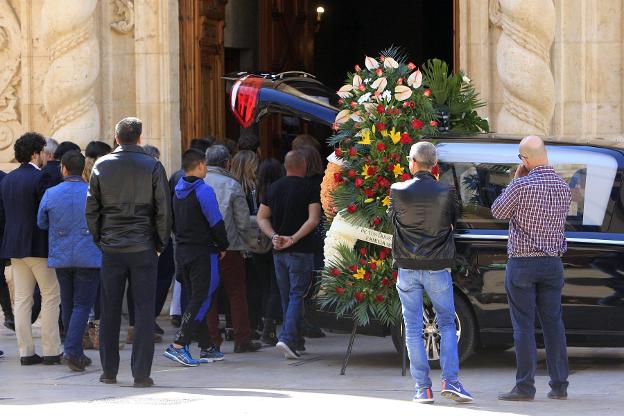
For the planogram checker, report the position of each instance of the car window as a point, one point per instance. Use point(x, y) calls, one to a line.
point(481, 171)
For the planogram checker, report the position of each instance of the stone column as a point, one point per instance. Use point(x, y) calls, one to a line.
point(69, 84)
point(10, 57)
point(523, 63)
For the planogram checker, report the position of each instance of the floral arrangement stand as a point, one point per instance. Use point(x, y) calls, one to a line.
point(385, 107)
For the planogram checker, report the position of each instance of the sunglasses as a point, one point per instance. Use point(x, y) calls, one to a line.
point(521, 156)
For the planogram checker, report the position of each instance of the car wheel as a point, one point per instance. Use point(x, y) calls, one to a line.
point(466, 333)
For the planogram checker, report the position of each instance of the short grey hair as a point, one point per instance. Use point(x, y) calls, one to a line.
point(424, 153)
point(152, 151)
point(217, 155)
point(128, 130)
point(50, 146)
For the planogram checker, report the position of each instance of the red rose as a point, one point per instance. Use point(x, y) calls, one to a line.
point(382, 254)
point(362, 262)
point(382, 58)
point(377, 94)
point(384, 160)
point(405, 177)
point(395, 274)
point(359, 296)
point(377, 221)
point(359, 182)
point(379, 298)
point(367, 276)
point(411, 66)
point(405, 139)
point(433, 123)
point(417, 124)
point(337, 177)
point(372, 265)
point(363, 251)
point(353, 104)
point(380, 126)
point(335, 271)
point(335, 126)
point(357, 68)
point(351, 208)
point(362, 87)
point(351, 173)
point(380, 109)
point(371, 170)
point(338, 152)
point(353, 268)
point(427, 92)
point(379, 72)
point(381, 147)
point(378, 179)
point(436, 170)
point(341, 101)
point(352, 152)
point(385, 282)
point(369, 193)
point(340, 290)
point(400, 81)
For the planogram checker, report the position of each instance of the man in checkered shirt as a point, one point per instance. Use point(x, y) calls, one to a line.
point(536, 203)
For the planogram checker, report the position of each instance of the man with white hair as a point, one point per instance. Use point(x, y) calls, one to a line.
point(423, 212)
point(536, 203)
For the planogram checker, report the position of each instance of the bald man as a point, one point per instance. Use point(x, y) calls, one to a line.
point(536, 202)
point(288, 214)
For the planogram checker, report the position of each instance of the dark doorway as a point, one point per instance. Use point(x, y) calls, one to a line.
point(351, 29)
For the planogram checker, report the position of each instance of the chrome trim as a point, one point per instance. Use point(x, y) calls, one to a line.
point(568, 239)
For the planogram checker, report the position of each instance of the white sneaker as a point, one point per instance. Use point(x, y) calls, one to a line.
point(288, 352)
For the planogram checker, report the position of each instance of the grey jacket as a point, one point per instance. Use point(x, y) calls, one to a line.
point(233, 206)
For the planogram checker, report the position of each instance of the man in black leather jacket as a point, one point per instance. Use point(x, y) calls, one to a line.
point(129, 215)
point(423, 213)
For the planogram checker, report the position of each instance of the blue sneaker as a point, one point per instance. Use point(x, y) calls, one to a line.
point(455, 391)
point(423, 395)
point(180, 355)
point(210, 355)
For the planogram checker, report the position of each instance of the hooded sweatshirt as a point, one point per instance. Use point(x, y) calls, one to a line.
point(197, 222)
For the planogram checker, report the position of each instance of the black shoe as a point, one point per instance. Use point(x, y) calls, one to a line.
point(269, 339)
point(300, 345)
point(1, 353)
point(32, 360)
point(311, 331)
point(75, 363)
point(52, 359)
point(108, 380)
point(176, 320)
point(229, 334)
point(254, 335)
point(9, 323)
point(86, 360)
point(143, 382)
point(558, 394)
point(249, 346)
point(158, 330)
point(515, 396)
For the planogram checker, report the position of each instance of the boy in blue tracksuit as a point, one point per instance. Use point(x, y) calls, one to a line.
point(200, 238)
point(72, 252)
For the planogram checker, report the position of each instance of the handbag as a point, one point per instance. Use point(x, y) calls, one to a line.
point(259, 242)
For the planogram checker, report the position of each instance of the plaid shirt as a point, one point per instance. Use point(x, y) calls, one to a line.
point(536, 206)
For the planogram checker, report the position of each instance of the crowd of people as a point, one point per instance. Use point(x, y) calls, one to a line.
point(84, 232)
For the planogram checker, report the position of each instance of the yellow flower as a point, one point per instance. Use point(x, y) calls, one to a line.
point(365, 137)
point(379, 262)
point(398, 170)
point(386, 200)
point(384, 133)
point(369, 200)
point(365, 172)
point(395, 136)
point(360, 273)
point(374, 129)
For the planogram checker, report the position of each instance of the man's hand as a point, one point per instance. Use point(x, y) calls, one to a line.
point(521, 171)
point(280, 242)
point(221, 255)
point(158, 253)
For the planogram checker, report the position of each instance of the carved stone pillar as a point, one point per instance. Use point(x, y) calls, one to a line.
point(523, 63)
point(10, 122)
point(69, 84)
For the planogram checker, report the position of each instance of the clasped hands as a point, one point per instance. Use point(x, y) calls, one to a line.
point(281, 242)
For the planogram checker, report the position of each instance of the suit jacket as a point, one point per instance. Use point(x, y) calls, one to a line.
point(20, 193)
point(52, 174)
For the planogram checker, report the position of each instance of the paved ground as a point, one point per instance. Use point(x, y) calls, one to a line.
point(263, 383)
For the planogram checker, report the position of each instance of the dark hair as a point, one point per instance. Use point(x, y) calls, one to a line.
point(97, 149)
point(151, 150)
point(27, 145)
point(128, 130)
point(191, 159)
point(248, 141)
point(270, 170)
point(63, 148)
point(305, 140)
point(202, 144)
point(313, 160)
point(74, 162)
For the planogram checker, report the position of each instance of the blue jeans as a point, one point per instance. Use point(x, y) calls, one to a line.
point(439, 287)
point(535, 283)
point(294, 273)
point(78, 291)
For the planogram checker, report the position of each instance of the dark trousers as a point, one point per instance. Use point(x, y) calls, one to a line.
point(254, 293)
point(232, 272)
point(265, 273)
point(200, 275)
point(535, 284)
point(140, 270)
point(5, 296)
point(78, 291)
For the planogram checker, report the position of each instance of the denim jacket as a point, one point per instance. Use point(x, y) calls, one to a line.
point(62, 212)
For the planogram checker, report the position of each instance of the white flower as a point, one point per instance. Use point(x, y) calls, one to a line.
point(357, 81)
point(390, 63)
point(380, 84)
point(402, 93)
point(366, 81)
point(364, 98)
point(344, 91)
point(356, 117)
point(371, 63)
point(386, 95)
point(415, 79)
point(466, 79)
point(370, 108)
point(343, 116)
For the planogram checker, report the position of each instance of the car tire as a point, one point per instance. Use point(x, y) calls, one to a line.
point(467, 333)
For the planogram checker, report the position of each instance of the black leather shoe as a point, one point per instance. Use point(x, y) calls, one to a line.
point(144, 382)
point(75, 363)
point(558, 394)
point(9, 323)
point(176, 320)
point(515, 396)
point(86, 361)
point(52, 359)
point(1, 353)
point(108, 380)
point(158, 330)
point(249, 346)
point(32, 360)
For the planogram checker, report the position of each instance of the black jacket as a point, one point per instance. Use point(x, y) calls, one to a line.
point(129, 202)
point(422, 211)
point(51, 174)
